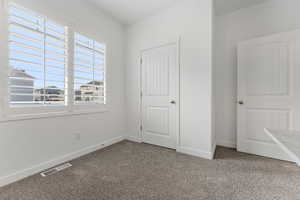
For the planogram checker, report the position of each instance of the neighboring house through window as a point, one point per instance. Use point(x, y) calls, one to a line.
point(23, 84)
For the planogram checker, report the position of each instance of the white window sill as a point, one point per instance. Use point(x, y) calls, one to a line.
point(21, 117)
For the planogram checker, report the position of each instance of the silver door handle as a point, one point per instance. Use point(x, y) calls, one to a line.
point(241, 102)
point(173, 102)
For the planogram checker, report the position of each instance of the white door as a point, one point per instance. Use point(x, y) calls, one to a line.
point(268, 91)
point(160, 96)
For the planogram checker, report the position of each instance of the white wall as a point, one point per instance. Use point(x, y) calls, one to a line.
point(192, 21)
point(264, 19)
point(28, 143)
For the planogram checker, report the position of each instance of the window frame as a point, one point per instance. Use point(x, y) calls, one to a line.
point(8, 113)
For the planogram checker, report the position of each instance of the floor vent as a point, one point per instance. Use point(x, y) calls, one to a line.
point(56, 169)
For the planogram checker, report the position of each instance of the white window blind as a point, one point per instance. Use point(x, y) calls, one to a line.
point(37, 59)
point(89, 71)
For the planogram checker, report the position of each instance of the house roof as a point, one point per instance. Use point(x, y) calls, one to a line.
point(92, 83)
point(19, 73)
point(95, 83)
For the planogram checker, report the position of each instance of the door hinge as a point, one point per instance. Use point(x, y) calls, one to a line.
point(141, 94)
point(141, 61)
point(141, 128)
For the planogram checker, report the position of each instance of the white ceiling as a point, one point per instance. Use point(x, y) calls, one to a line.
point(226, 6)
point(131, 11)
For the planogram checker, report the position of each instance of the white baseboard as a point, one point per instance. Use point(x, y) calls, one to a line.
point(228, 144)
point(196, 152)
point(133, 139)
point(46, 165)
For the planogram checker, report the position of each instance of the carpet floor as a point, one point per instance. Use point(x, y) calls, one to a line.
point(131, 171)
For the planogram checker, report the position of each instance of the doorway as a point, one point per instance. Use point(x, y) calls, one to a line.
point(269, 91)
point(160, 96)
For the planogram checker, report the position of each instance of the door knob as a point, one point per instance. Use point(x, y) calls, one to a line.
point(241, 102)
point(173, 102)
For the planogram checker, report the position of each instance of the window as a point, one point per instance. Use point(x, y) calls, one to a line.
point(37, 59)
point(39, 78)
point(89, 71)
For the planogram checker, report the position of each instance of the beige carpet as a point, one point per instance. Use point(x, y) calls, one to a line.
point(130, 171)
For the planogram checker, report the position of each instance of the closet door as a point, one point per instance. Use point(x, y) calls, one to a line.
point(268, 91)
